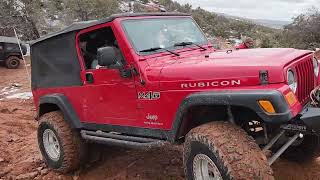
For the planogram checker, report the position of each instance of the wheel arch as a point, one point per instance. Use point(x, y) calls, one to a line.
point(201, 114)
point(18, 55)
point(216, 106)
point(59, 102)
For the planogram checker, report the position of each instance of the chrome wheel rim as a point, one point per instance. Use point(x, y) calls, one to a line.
point(205, 169)
point(51, 144)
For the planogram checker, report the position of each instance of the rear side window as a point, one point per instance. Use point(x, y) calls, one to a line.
point(12, 47)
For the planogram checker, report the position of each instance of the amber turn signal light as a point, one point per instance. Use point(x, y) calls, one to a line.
point(267, 106)
point(291, 98)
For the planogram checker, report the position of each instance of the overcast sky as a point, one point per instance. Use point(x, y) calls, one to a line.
point(256, 9)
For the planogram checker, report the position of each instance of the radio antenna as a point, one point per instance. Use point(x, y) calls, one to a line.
point(24, 60)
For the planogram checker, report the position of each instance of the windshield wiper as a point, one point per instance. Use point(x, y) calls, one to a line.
point(189, 43)
point(159, 48)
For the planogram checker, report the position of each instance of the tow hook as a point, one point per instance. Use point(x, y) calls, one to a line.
point(276, 155)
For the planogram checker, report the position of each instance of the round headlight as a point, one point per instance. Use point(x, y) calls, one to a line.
point(292, 81)
point(315, 66)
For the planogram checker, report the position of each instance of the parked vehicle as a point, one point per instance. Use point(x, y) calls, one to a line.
point(10, 54)
point(140, 80)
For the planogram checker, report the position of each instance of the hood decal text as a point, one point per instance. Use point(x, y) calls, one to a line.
point(211, 84)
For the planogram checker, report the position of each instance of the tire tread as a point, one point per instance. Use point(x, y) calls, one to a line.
point(70, 141)
point(238, 151)
point(7, 62)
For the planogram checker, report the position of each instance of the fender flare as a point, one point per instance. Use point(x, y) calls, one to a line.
point(60, 100)
point(13, 54)
point(242, 98)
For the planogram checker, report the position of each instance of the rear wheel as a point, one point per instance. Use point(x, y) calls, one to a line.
point(60, 145)
point(12, 62)
point(220, 150)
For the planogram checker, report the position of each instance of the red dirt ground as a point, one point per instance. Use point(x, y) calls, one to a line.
point(20, 158)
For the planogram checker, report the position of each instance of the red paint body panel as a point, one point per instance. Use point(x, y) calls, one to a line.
point(113, 100)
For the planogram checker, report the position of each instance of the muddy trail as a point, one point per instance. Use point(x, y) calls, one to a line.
point(20, 158)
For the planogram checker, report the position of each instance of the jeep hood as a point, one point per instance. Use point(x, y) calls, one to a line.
point(220, 65)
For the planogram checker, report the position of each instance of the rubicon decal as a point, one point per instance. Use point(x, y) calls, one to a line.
point(150, 95)
point(206, 84)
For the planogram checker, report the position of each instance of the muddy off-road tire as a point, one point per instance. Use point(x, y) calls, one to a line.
point(61, 147)
point(12, 62)
point(307, 151)
point(223, 151)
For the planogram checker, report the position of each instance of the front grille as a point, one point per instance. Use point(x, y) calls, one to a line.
point(305, 77)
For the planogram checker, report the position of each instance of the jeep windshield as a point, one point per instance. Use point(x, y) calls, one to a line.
point(161, 34)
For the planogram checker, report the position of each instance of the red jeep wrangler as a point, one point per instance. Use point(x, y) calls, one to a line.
point(139, 80)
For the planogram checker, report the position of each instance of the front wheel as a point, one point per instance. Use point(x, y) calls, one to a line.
point(60, 145)
point(220, 150)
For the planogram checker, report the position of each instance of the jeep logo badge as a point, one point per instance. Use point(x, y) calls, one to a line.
point(211, 84)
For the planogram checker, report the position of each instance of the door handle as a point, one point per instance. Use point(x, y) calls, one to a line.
point(89, 78)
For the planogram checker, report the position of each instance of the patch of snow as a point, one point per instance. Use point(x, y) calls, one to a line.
point(24, 95)
point(125, 7)
point(8, 90)
point(13, 92)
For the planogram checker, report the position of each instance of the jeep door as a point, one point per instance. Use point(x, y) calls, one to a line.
point(108, 98)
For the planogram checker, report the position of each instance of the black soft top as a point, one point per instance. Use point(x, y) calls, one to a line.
point(86, 24)
point(54, 57)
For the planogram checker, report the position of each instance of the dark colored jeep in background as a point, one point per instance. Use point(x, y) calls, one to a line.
point(140, 80)
point(10, 54)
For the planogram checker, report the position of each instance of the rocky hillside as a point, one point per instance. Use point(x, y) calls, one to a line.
point(275, 24)
point(40, 17)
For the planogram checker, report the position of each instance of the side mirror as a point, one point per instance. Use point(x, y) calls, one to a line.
point(106, 56)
